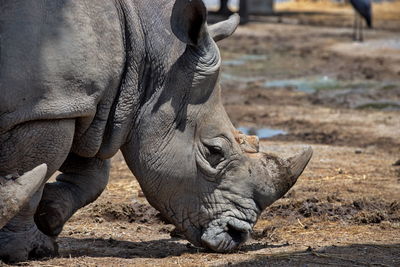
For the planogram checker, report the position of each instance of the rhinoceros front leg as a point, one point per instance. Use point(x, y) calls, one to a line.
point(82, 182)
point(20, 196)
point(21, 149)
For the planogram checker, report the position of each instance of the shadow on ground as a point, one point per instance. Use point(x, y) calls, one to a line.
point(98, 247)
point(349, 255)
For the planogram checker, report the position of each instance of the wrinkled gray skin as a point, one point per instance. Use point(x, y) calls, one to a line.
point(81, 79)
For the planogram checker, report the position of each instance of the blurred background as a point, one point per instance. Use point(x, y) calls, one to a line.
point(305, 52)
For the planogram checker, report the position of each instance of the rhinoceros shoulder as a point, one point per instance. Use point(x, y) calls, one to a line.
point(58, 59)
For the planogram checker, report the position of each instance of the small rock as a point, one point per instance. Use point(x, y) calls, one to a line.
point(358, 151)
point(98, 220)
point(397, 163)
point(140, 193)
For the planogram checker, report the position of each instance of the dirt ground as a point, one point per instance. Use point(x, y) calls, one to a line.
point(345, 208)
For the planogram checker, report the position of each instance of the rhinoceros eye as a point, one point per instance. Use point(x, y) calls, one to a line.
point(215, 155)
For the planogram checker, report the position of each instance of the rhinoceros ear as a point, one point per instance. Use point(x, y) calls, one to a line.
point(224, 29)
point(188, 21)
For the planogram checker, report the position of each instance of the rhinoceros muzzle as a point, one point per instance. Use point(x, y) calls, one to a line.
point(226, 235)
point(272, 177)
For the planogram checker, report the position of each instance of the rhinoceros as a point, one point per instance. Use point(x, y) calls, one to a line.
point(81, 79)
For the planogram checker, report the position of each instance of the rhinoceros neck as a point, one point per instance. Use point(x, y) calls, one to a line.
point(118, 106)
point(155, 119)
point(151, 50)
point(126, 104)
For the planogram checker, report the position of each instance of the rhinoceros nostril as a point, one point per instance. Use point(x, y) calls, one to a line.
point(238, 235)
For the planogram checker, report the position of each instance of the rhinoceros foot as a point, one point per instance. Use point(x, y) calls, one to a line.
point(24, 245)
point(20, 239)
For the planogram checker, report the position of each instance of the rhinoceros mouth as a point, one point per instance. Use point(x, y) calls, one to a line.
point(225, 237)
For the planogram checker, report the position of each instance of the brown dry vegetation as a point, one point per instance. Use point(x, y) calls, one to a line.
point(345, 208)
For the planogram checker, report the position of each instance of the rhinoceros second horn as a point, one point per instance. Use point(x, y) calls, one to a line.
point(15, 193)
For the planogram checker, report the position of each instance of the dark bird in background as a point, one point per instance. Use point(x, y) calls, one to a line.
point(224, 10)
point(363, 10)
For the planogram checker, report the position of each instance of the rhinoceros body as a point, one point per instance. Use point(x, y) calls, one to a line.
point(80, 80)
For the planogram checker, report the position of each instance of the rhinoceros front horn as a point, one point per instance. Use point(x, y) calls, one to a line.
point(14, 193)
point(276, 176)
point(295, 167)
point(298, 163)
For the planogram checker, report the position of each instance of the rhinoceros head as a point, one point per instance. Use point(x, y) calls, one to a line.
point(203, 175)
